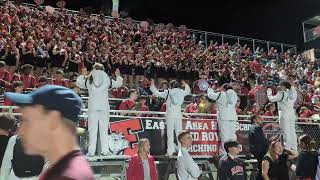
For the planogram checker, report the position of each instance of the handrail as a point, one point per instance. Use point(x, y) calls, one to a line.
point(187, 115)
point(191, 30)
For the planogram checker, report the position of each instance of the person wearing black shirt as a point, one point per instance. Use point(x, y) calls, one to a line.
point(7, 124)
point(274, 164)
point(258, 142)
point(230, 166)
point(306, 167)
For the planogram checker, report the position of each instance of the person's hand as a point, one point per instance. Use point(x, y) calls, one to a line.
point(117, 72)
point(152, 82)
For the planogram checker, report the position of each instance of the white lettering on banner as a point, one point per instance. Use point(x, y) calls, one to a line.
point(243, 127)
point(214, 125)
point(209, 136)
point(203, 148)
point(150, 124)
point(195, 136)
point(196, 125)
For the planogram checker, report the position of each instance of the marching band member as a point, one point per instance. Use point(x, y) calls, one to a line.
point(287, 115)
point(174, 99)
point(98, 83)
point(226, 101)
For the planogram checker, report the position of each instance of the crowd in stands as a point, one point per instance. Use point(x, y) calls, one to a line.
point(38, 47)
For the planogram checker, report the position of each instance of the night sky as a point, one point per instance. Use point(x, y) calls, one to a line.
point(274, 20)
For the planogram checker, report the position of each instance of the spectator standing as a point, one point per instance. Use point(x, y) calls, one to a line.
point(142, 165)
point(187, 168)
point(230, 166)
point(129, 103)
point(307, 163)
point(274, 164)
point(258, 142)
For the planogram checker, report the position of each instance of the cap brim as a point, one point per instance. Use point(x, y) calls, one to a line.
point(19, 99)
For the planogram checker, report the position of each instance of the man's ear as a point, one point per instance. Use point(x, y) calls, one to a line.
point(54, 117)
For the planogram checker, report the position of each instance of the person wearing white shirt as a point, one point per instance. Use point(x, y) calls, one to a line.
point(187, 169)
point(98, 82)
point(174, 99)
point(287, 114)
point(226, 100)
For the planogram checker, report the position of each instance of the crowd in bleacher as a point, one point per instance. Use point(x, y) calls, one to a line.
point(40, 47)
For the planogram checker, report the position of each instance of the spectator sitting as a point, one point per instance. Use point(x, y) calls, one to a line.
point(304, 113)
point(141, 106)
point(42, 80)
point(270, 109)
point(18, 88)
point(59, 79)
point(5, 76)
point(129, 103)
point(29, 81)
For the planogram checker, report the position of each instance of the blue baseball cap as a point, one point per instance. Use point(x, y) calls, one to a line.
point(52, 97)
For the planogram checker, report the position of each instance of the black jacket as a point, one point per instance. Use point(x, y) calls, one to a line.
point(231, 168)
point(257, 141)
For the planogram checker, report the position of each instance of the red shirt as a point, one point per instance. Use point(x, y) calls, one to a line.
point(192, 108)
point(60, 82)
point(72, 166)
point(28, 81)
point(163, 107)
point(5, 76)
point(127, 105)
point(135, 169)
point(269, 113)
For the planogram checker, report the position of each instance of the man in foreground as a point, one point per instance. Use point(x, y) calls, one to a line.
point(48, 128)
point(186, 167)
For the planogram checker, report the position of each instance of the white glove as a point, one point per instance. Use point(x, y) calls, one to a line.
point(269, 92)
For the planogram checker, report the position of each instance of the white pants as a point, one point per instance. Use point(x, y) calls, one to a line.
point(227, 131)
point(98, 119)
point(287, 124)
point(174, 124)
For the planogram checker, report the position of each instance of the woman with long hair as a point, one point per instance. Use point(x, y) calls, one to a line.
point(307, 163)
point(274, 164)
point(142, 166)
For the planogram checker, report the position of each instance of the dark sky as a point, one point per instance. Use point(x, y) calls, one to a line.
point(274, 20)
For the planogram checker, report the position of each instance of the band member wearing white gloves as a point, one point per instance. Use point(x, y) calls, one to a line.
point(226, 100)
point(187, 169)
point(98, 83)
point(287, 115)
point(174, 99)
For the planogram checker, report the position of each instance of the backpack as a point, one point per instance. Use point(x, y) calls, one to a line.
point(24, 165)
